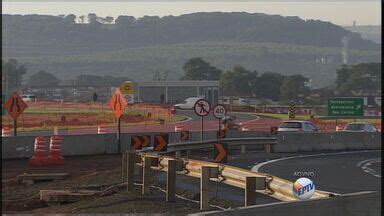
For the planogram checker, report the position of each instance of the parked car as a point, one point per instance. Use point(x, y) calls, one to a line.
point(297, 126)
point(359, 127)
point(188, 103)
point(28, 97)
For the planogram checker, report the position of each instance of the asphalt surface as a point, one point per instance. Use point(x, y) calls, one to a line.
point(338, 172)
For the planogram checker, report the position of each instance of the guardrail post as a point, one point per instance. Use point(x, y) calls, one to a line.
point(268, 148)
point(206, 173)
point(204, 188)
point(250, 187)
point(243, 149)
point(171, 181)
point(124, 162)
point(130, 169)
point(178, 154)
point(147, 178)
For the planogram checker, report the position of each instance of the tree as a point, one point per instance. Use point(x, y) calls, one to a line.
point(125, 20)
point(92, 18)
point(360, 77)
point(268, 85)
point(239, 81)
point(108, 19)
point(293, 88)
point(12, 75)
point(43, 78)
point(198, 69)
point(70, 18)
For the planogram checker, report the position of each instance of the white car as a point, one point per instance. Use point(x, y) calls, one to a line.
point(28, 97)
point(297, 126)
point(189, 103)
point(359, 127)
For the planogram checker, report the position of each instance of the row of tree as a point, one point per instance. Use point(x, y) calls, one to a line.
point(242, 82)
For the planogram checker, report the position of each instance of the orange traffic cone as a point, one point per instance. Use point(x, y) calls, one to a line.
point(39, 157)
point(55, 157)
point(178, 128)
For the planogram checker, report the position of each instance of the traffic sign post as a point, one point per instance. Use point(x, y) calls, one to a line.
point(202, 108)
point(343, 107)
point(117, 103)
point(292, 110)
point(127, 90)
point(219, 112)
point(15, 106)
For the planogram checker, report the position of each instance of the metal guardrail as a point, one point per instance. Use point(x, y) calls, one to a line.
point(275, 187)
point(267, 142)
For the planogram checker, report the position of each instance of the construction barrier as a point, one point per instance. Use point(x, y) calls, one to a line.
point(5, 132)
point(55, 157)
point(39, 157)
point(101, 129)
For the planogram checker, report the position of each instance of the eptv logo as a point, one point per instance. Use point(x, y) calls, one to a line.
point(303, 188)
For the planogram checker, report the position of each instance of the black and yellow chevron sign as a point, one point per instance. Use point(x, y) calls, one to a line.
point(292, 110)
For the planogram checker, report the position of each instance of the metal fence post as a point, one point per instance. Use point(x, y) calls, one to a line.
point(204, 187)
point(171, 181)
point(130, 169)
point(250, 187)
point(146, 174)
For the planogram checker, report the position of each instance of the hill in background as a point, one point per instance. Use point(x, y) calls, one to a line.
point(139, 47)
point(369, 32)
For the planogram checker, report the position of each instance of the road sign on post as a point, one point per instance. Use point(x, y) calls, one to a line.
point(15, 106)
point(117, 103)
point(202, 108)
point(292, 110)
point(127, 90)
point(161, 142)
point(352, 106)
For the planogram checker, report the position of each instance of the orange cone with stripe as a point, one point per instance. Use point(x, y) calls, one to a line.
point(101, 129)
point(5, 132)
point(55, 157)
point(39, 157)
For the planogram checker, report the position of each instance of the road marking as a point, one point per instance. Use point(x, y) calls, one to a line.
point(258, 166)
point(365, 163)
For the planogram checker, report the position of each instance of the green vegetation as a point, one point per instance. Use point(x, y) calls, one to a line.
point(287, 45)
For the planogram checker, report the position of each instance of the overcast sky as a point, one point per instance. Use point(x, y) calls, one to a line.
point(341, 13)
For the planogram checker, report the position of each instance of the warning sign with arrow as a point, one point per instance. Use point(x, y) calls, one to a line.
point(161, 142)
point(117, 103)
point(220, 153)
point(184, 135)
point(136, 142)
point(15, 105)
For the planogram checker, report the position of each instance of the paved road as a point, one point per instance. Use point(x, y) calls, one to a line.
point(341, 172)
point(192, 123)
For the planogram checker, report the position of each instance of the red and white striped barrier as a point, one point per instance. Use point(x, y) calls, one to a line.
point(39, 157)
point(55, 157)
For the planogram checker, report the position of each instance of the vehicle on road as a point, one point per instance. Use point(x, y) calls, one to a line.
point(188, 103)
point(28, 97)
point(359, 127)
point(228, 122)
point(297, 126)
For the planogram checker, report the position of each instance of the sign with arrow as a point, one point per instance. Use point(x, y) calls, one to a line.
point(139, 142)
point(184, 135)
point(15, 106)
point(353, 106)
point(117, 103)
point(161, 142)
point(220, 153)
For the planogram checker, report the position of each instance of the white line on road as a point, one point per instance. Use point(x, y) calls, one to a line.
point(365, 163)
point(258, 166)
